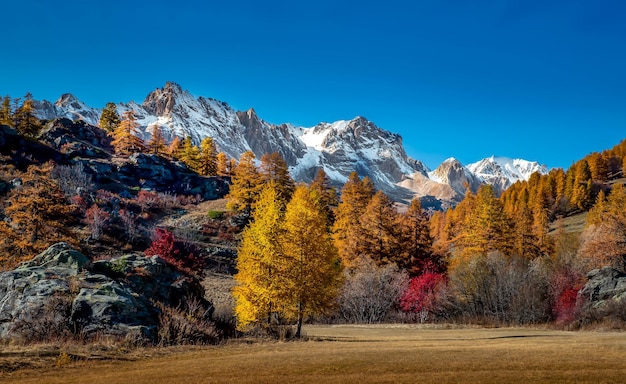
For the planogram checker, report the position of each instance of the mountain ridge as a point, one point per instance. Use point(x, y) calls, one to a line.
point(338, 148)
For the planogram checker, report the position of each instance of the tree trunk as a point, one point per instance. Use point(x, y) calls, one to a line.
point(300, 317)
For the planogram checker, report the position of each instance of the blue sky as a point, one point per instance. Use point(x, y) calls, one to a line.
point(540, 80)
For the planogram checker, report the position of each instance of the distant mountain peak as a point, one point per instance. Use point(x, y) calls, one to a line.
point(338, 148)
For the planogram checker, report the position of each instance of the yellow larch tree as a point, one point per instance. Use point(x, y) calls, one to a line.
point(311, 265)
point(259, 288)
point(126, 138)
point(246, 184)
point(355, 195)
point(207, 159)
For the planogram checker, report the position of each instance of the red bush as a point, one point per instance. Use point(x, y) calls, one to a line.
point(180, 255)
point(564, 287)
point(96, 218)
point(423, 293)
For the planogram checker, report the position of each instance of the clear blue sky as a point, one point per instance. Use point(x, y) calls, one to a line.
point(541, 80)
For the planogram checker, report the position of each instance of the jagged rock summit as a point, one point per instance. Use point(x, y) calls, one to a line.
point(338, 148)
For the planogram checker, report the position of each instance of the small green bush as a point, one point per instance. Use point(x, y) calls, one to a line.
point(215, 215)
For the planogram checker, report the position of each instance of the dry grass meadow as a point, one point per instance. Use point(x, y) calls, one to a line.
point(355, 354)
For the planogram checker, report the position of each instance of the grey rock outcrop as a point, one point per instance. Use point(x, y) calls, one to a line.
point(115, 297)
point(603, 286)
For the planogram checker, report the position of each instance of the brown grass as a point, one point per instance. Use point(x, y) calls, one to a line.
point(369, 354)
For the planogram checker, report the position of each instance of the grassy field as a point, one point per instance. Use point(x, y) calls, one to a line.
point(369, 354)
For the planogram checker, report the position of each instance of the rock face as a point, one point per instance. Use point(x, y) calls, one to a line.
point(115, 297)
point(603, 285)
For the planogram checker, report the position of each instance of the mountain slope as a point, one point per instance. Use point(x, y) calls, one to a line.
point(338, 148)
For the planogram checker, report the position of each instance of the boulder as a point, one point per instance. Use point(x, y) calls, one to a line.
point(603, 285)
point(116, 297)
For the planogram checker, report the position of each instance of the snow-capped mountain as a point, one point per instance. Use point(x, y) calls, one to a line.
point(338, 148)
point(502, 172)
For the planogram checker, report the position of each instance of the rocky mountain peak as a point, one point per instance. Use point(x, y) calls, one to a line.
point(67, 100)
point(454, 173)
point(161, 101)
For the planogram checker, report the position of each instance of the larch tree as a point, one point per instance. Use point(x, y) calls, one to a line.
point(109, 118)
point(311, 267)
point(603, 242)
point(487, 227)
point(416, 243)
point(156, 145)
point(26, 123)
point(175, 148)
point(126, 138)
point(328, 196)
point(259, 292)
point(274, 169)
point(246, 184)
point(355, 195)
point(207, 160)
point(37, 216)
point(5, 111)
point(377, 237)
point(189, 154)
point(224, 165)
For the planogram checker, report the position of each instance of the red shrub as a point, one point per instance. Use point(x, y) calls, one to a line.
point(423, 293)
point(96, 218)
point(564, 287)
point(180, 255)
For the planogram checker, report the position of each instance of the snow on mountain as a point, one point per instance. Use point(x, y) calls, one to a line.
point(502, 172)
point(338, 148)
point(67, 106)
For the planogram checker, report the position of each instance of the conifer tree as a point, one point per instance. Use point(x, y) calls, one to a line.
point(189, 154)
point(37, 216)
point(274, 169)
point(312, 268)
point(377, 237)
point(175, 148)
point(416, 244)
point(487, 228)
point(246, 184)
point(126, 138)
point(355, 195)
point(223, 165)
point(259, 257)
point(109, 118)
point(25, 121)
point(156, 145)
point(328, 196)
point(5, 111)
point(207, 162)
point(581, 191)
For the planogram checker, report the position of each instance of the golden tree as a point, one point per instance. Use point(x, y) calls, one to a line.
point(311, 267)
point(603, 242)
point(355, 195)
point(415, 251)
point(207, 159)
point(378, 233)
point(126, 138)
point(37, 216)
point(328, 196)
point(175, 148)
point(224, 165)
point(156, 145)
point(273, 169)
point(259, 286)
point(189, 154)
point(246, 184)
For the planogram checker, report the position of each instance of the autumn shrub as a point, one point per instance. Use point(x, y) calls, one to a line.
point(96, 218)
point(425, 295)
point(370, 293)
point(48, 323)
point(181, 255)
point(129, 224)
point(72, 179)
point(563, 290)
point(498, 289)
point(188, 323)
